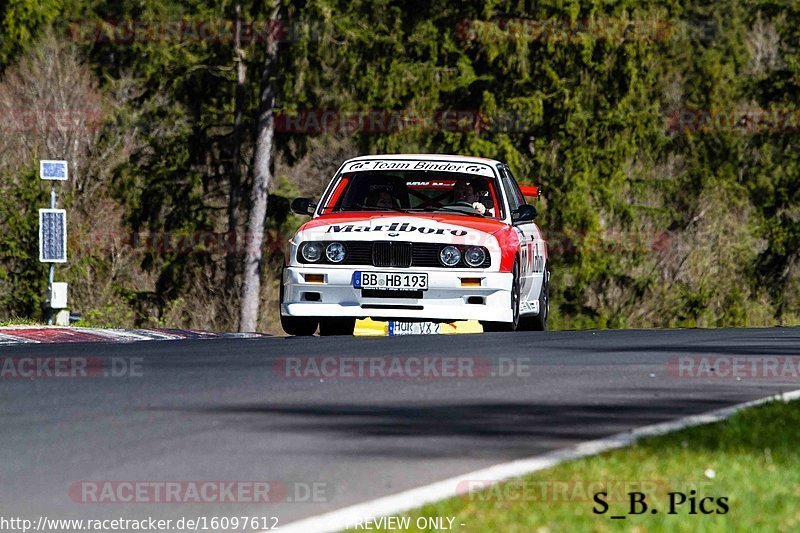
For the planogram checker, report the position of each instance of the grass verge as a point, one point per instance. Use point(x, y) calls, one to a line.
point(752, 459)
point(18, 321)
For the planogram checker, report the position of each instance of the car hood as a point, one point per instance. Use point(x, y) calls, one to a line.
point(415, 228)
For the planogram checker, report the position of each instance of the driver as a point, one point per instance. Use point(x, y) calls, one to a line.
point(381, 198)
point(464, 192)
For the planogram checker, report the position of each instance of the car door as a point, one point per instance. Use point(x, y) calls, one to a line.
point(530, 241)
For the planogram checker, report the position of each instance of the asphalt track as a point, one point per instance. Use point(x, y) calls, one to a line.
point(224, 409)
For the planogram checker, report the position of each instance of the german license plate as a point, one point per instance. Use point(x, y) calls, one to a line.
point(414, 328)
point(390, 281)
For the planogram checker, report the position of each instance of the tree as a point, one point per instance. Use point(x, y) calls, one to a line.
point(20, 21)
point(235, 182)
point(259, 191)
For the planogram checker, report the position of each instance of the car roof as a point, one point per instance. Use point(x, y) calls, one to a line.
point(428, 157)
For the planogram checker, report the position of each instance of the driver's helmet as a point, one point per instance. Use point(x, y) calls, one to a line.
point(381, 198)
point(482, 194)
point(464, 191)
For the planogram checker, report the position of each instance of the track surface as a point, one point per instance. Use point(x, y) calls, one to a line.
point(220, 410)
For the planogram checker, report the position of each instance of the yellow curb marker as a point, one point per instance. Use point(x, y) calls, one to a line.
point(366, 327)
point(462, 327)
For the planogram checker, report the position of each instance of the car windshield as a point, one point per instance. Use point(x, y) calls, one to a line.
point(415, 191)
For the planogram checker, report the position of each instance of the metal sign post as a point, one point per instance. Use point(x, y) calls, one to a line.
point(53, 240)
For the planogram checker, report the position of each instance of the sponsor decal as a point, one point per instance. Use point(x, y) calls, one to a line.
point(438, 166)
point(431, 184)
point(395, 227)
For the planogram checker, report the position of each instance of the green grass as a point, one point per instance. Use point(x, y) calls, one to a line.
point(18, 321)
point(755, 456)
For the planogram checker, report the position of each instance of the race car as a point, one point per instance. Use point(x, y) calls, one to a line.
point(416, 239)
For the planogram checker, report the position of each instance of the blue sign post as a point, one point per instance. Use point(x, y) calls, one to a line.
point(53, 238)
point(53, 170)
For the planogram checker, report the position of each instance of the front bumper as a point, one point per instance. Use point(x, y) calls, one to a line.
point(445, 299)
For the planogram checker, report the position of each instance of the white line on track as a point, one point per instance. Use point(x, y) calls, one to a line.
point(411, 499)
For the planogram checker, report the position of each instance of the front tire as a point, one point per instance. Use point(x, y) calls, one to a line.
point(299, 327)
point(539, 322)
point(336, 326)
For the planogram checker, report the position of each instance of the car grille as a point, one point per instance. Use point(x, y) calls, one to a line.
point(391, 254)
point(427, 254)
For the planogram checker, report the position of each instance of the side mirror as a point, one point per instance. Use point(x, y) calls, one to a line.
point(303, 206)
point(524, 213)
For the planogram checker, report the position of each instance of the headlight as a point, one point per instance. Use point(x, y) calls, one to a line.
point(474, 256)
point(450, 256)
point(335, 252)
point(311, 251)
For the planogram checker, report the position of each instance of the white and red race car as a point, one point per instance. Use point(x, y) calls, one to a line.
point(416, 240)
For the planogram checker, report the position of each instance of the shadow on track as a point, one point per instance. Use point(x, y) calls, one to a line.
point(488, 428)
